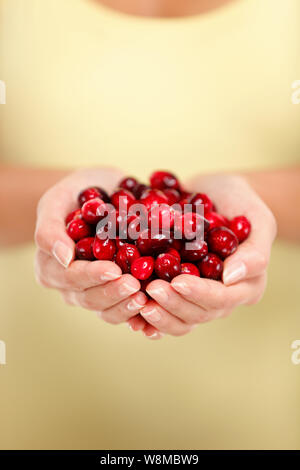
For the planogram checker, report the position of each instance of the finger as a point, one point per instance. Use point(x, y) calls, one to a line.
point(124, 310)
point(137, 323)
point(50, 232)
point(213, 295)
point(79, 275)
point(164, 321)
point(151, 332)
point(103, 297)
point(174, 303)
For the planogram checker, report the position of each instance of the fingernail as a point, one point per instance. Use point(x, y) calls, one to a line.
point(130, 327)
point(234, 273)
point(155, 335)
point(158, 293)
point(62, 253)
point(127, 289)
point(99, 314)
point(133, 305)
point(181, 287)
point(152, 315)
point(107, 276)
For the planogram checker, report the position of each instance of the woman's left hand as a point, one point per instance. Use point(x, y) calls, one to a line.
point(188, 300)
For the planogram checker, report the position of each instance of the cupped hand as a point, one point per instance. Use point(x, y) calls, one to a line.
point(177, 307)
point(98, 286)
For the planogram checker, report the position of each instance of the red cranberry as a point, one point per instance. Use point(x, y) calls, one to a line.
point(142, 268)
point(153, 197)
point(173, 252)
point(185, 195)
point(73, 215)
point(164, 179)
point(175, 243)
point(161, 217)
point(152, 246)
point(241, 227)
point(173, 196)
point(189, 268)
point(90, 210)
point(91, 193)
point(216, 220)
point(222, 241)
point(125, 257)
point(139, 190)
point(200, 198)
point(78, 229)
point(84, 249)
point(197, 252)
point(211, 267)
point(104, 249)
point(120, 242)
point(167, 266)
point(190, 225)
point(129, 183)
point(123, 195)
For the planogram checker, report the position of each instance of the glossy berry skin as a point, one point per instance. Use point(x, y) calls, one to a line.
point(152, 246)
point(142, 268)
point(173, 196)
point(76, 214)
point(78, 229)
point(120, 242)
point(200, 198)
point(160, 218)
point(90, 210)
point(129, 183)
point(211, 267)
point(123, 195)
point(163, 180)
point(241, 227)
point(176, 244)
point(173, 252)
point(190, 225)
point(104, 249)
point(91, 193)
point(189, 268)
point(84, 249)
point(216, 220)
point(139, 190)
point(125, 257)
point(153, 197)
point(198, 251)
point(222, 241)
point(167, 266)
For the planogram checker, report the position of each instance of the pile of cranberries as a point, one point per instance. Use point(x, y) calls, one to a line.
point(162, 255)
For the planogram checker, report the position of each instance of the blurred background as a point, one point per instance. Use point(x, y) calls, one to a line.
point(87, 85)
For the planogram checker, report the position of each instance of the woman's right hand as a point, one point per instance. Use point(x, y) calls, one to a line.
point(98, 286)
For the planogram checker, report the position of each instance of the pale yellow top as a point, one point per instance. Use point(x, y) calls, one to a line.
point(85, 86)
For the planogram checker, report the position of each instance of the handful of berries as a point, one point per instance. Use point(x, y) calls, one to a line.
point(155, 231)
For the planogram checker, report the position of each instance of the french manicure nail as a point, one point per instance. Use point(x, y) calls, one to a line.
point(107, 276)
point(62, 253)
point(126, 289)
point(152, 315)
point(181, 287)
point(133, 305)
point(234, 273)
point(158, 293)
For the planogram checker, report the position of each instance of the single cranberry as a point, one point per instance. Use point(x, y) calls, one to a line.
point(173, 252)
point(91, 193)
point(104, 249)
point(84, 249)
point(123, 195)
point(126, 255)
point(216, 220)
point(197, 251)
point(152, 246)
point(222, 241)
point(241, 227)
point(189, 268)
point(211, 267)
point(142, 268)
point(153, 197)
point(164, 179)
point(139, 190)
point(78, 229)
point(190, 225)
point(160, 218)
point(73, 215)
point(129, 183)
point(200, 198)
point(173, 196)
point(91, 210)
point(167, 266)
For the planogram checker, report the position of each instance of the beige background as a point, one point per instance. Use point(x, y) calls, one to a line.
point(86, 85)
